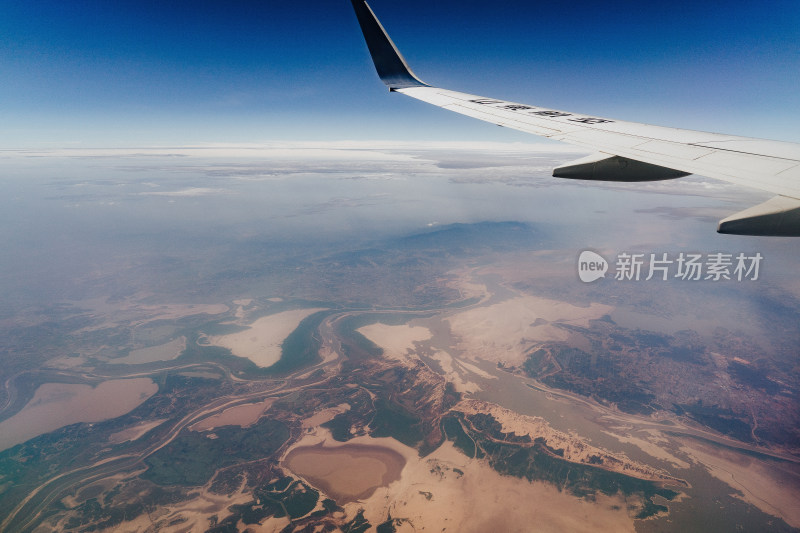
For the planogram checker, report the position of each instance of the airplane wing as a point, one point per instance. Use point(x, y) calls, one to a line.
point(626, 151)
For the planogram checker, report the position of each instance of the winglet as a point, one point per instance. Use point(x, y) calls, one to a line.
point(777, 217)
point(392, 68)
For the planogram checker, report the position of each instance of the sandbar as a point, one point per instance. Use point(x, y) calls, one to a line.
point(505, 331)
point(396, 341)
point(447, 491)
point(261, 342)
point(240, 415)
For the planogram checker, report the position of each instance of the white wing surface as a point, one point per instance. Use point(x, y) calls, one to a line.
point(626, 151)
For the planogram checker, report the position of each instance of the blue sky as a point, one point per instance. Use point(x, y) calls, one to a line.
point(127, 73)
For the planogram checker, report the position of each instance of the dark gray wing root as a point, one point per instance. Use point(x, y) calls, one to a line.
point(391, 67)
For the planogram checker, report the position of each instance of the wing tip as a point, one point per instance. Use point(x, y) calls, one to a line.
point(777, 217)
point(389, 62)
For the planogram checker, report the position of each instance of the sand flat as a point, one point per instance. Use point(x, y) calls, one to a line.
point(652, 445)
point(447, 491)
point(454, 372)
point(176, 311)
point(325, 415)
point(182, 516)
point(396, 341)
point(261, 342)
point(55, 405)
point(134, 432)
point(129, 312)
point(504, 331)
point(240, 415)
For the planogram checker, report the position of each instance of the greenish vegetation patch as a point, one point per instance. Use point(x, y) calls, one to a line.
point(284, 497)
point(454, 432)
point(192, 458)
point(538, 363)
point(752, 376)
point(723, 420)
point(393, 421)
point(359, 524)
point(340, 426)
point(299, 500)
point(589, 374)
point(386, 527)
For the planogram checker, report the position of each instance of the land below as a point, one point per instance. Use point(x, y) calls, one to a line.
point(476, 390)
